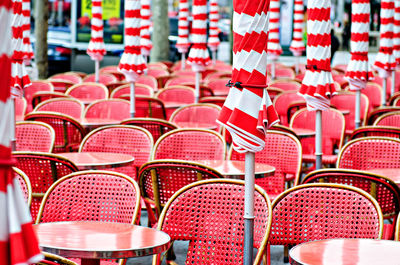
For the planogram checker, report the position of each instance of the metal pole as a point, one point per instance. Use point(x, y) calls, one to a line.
point(358, 109)
point(248, 208)
point(132, 98)
point(12, 119)
point(197, 87)
point(273, 70)
point(214, 57)
point(96, 70)
point(60, 12)
point(318, 139)
point(183, 61)
point(392, 88)
point(384, 88)
point(297, 65)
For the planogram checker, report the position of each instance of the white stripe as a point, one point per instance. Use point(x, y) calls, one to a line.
point(359, 27)
point(359, 8)
point(199, 24)
point(319, 4)
point(250, 61)
point(132, 22)
point(250, 109)
point(359, 46)
point(132, 39)
point(97, 10)
point(318, 27)
point(196, 38)
point(5, 31)
point(199, 9)
point(319, 52)
point(132, 5)
point(243, 23)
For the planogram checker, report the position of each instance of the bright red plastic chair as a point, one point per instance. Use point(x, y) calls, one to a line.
point(218, 75)
point(148, 107)
point(219, 101)
point(74, 78)
point(391, 119)
point(113, 86)
point(190, 144)
point(24, 184)
point(283, 101)
point(104, 78)
point(124, 139)
point(341, 80)
point(179, 80)
point(284, 72)
point(282, 151)
point(218, 86)
point(34, 136)
point(68, 106)
point(20, 106)
point(125, 90)
point(156, 127)
point(112, 109)
point(36, 86)
point(333, 125)
point(61, 85)
point(373, 92)
point(366, 131)
point(213, 225)
point(147, 80)
point(157, 72)
point(88, 92)
point(69, 132)
point(43, 170)
point(41, 96)
point(120, 76)
point(176, 96)
point(285, 84)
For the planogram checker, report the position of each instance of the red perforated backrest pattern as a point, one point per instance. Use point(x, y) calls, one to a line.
point(68, 107)
point(176, 94)
point(157, 72)
point(282, 103)
point(35, 86)
point(218, 86)
point(147, 80)
point(33, 137)
point(374, 94)
point(316, 213)
point(179, 80)
point(104, 79)
point(69, 77)
point(149, 108)
point(156, 128)
point(23, 185)
point(392, 120)
point(204, 116)
point(211, 217)
point(375, 131)
point(109, 109)
point(88, 91)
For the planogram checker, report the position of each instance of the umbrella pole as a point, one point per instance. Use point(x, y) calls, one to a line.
point(318, 139)
point(392, 88)
point(384, 88)
point(96, 70)
point(12, 119)
point(358, 109)
point(60, 12)
point(249, 208)
point(132, 98)
point(183, 61)
point(197, 88)
point(273, 70)
point(297, 65)
point(214, 57)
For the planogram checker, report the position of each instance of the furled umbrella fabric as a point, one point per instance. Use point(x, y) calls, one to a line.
point(274, 46)
point(96, 49)
point(297, 46)
point(183, 44)
point(18, 243)
point(358, 72)
point(132, 63)
point(19, 76)
point(396, 43)
point(213, 39)
point(27, 46)
point(145, 38)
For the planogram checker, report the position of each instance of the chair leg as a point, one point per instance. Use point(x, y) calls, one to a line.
point(286, 254)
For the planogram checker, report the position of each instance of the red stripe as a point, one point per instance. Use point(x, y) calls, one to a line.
point(7, 4)
point(319, 14)
point(360, 36)
point(360, 18)
point(5, 70)
point(387, 5)
point(132, 13)
point(319, 40)
point(132, 31)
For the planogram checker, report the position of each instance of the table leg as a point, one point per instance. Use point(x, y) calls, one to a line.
point(90, 261)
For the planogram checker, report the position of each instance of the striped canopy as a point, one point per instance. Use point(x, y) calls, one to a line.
point(213, 40)
point(297, 45)
point(145, 38)
point(96, 49)
point(274, 47)
point(183, 43)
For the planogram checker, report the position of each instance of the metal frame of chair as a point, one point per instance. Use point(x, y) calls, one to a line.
point(35, 139)
point(115, 85)
point(25, 185)
point(374, 114)
point(140, 89)
point(73, 107)
point(391, 119)
point(366, 131)
point(51, 259)
point(88, 87)
point(113, 108)
point(397, 230)
point(219, 222)
point(61, 85)
point(156, 127)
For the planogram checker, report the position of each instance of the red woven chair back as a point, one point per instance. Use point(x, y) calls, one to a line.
point(178, 94)
point(20, 106)
point(34, 136)
point(147, 80)
point(391, 119)
point(374, 94)
point(370, 153)
point(218, 86)
point(312, 212)
point(24, 184)
point(346, 101)
point(112, 86)
point(114, 197)
point(376, 113)
point(61, 85)
point(68, 106)
point(124, 139)
point(74, 78)
point(199, 115)
point(284, 72)
point(104, 78)
point(120, 76)
point(366, 131)
point(179, 80)
point(88, 91)
point(185, 72)
point(114, 109)
point(149, 107)
point(163, 65)
point(36, 86)
point(281, 103)
point(379, 81)
point(286, 85)
point(213, 217)
point(43, 170)
point(68, 131)
point(218, 75)
point(140, 90)
point(219, 101)
point(156, 127)
point(282, 151)
point(43, 96)
point(157, 72)
point(190, 144)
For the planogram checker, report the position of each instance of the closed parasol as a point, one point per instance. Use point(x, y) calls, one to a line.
point(274, 47)
point(297, 45)
point(183, 43)
point(213, 40)
point(145, 38)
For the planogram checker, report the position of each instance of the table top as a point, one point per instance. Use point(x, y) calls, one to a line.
point(391, 173)
point(346, 252)
point(99, 240)
point(301, 132)
point(96, 160)
point(236, 168)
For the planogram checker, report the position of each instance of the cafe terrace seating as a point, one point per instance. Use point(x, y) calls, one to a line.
point(69, 106)
point(156, 127)
point(34, 136)
point(25, 185)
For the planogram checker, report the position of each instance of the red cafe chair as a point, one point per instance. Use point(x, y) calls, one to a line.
point(81, 74)
point(161, 65)
point(186, 72)
point(24, 184)
point(61, 85)
point(148, 80)
point(125, 90)
point(219, 101)
point(112, 109)
point(34, 136)
point(341, 80)
point(41, 96)
point(176, 96)
point(218, 75)
point(113, 86)
point(285, 84)
point(69, 106)
point(376, 113)
point(148, 107)
point(365, 131)
point(179, 80)
point(20, 106)
point(157, 72)
point(394, 97)
point(156, 127)
point(88, 92)
point(282, 101)
point(218, 86)
point(373, 92)
point(284, 72)
point(51, 259)
point(391, 119)
point(36, 86)
point(120, 76)
point(74, 78)
point(104, 78)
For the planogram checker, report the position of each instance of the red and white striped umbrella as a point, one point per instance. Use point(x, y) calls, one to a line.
point(132, 63)
point(318, 86)
point(213, 40)
point(274, 47)
point(19, 75)
point(396, 30)
point(297, 45)
point(183, 43)
point(145, 38)
point(18, 243)
point(27, 46)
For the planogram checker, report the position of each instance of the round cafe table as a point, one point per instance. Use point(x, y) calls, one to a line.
point(92, 241)
point(235, 169)
point(98, 160)
point(346, 252)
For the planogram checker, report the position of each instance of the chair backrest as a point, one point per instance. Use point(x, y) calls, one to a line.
point(51, 259)
point(394, 98)
point(179, 80)
point(282, 151)
point(87, 92)
point(375, 113)
point(163, 65)
point(382, 189)
point(179, 94)
point(366, 131)
point(69, 132)
point(114, 197)
point(104, 78)
point(43, 170)
point(112, 86)
point(218, 86)
point(200, 115)
point(323, 211)
point(115, 109)
point(397, 230)
point(281, 103)
point(156, 127)
point(120, 76)
point(69, 106)
point(157, 72)
point(20, 106)
point(219, 101)
point(147, 80)
point(391, 119)
point(124, 139)
point(190, 144)
point(184, 72)
point(346, 101)
point(36, 86)
point(341, 80)
point(374, 94)
point(74, 78)
point(213, 217)
point(140, 89)
point(370, 153)
point(149, 107)
point(25, 185)
point(286, 84)
point(34, 136)
point(333, 125)
point(43, 96)
point(284, 72)
point(218, 75)
point(60, 85)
